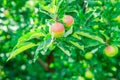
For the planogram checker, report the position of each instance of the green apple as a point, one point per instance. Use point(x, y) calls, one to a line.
point(85, 64)
point(81, 78)
point(95, 27)
point(88, 55)
point(89, 74)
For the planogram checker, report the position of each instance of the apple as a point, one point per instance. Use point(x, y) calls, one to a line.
point(111, 51)
point(95, 27)
point(68, 20)
point(88, 55)
point(89, 74)
point(85, 64)
point(113, 68)
point(57, 29)
point(81, 78)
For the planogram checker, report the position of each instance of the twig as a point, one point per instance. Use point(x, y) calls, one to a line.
point(87, 20)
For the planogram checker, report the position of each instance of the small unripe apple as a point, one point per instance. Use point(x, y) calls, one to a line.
point(57, 29)
point(89, 74)
point(88, 55)
point(85, 64)
point(111, 51)
point(95, 27)
point(81, 78)
point(68, 20)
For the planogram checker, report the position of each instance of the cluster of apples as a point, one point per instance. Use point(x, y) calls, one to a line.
point(109, 51)
point(58, 28)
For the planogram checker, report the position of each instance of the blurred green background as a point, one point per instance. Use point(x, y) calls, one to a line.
point(96, 17)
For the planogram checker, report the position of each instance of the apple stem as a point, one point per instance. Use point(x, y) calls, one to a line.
point(56, 18)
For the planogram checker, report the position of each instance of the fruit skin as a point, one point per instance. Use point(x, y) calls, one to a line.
point(89, 74)
point(68, 20)
point(57, 29)
point(88, 55)
point(111, 51)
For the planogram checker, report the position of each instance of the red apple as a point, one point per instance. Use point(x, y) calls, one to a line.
point(68, 20)
point(111, 51)
point(57, 29)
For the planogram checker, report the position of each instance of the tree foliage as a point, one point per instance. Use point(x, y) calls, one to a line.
point(28, 51)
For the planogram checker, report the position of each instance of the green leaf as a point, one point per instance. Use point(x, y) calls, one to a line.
point(97, 38)
point(77, 37)
point(27, 37)
point(106, 37)
point(48, 40)
point(92, 45)
point(64, 50)
point(20, 50)
point(51, 8)
point(77, 45)
point(44, 45)
point(118, 45)
point(94, 50)
point(59, 4)
point(69, 32)
point(40, 47)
